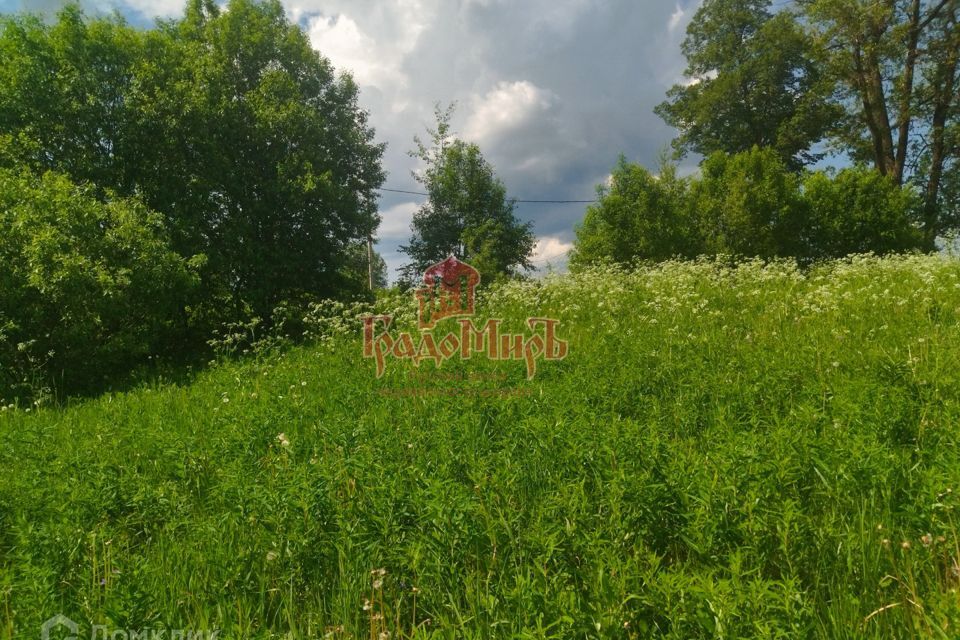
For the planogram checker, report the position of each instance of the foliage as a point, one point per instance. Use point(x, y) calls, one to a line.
point(749, 204)
point(638, 216)
point(227, 122)
point(860, 210)
point(86, 288)
point(746, 205)
point(468, 214)
point(355, 271)
point(749, 451)
point(896, 69)
point(753, 78)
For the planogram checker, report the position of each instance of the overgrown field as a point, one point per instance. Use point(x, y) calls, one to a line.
point(726, 452)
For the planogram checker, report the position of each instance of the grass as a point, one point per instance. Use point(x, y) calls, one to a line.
point(727, 452)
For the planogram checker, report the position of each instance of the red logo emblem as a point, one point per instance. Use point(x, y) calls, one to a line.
point(449, 290)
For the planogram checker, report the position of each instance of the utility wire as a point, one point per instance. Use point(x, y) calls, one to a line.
point(421, 193)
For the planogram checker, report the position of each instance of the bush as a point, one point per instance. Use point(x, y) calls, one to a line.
point(749, 204)
point(638, 216)
point(859, 210)
point(86, 288)
point(746, 205)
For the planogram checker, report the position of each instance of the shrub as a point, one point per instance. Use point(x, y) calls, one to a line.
point(638, 216)
point(859, 210)
point(749, 204)
point(86, 287)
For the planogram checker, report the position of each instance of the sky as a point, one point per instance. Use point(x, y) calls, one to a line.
point(553, 91)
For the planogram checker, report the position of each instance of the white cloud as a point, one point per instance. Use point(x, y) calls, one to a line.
point(396, 221)
point(349, 49)
point(372, 45)
point(506, 107)
point(676, 18)
point(550, 249)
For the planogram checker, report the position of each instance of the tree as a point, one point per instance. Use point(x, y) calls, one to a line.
point(749, 204)
point(228, 123)
point(357, 271)
point(467, 214)
point(754, 78)
point(896, 67)
point(86, 287)
point(637, 216)
point(859, 210)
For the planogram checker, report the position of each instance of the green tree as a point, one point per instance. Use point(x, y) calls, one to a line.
point(226, 122)
point(468, 214)
point(749, 204)
point(356, 270)
point(897, 74)
point(637, 216)
point(86, 287)
point(754, 78)
point(859, 210)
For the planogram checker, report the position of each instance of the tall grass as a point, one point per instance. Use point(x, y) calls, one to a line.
point(741, 451)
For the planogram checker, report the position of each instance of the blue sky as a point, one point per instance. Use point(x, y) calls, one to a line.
point(552, 90)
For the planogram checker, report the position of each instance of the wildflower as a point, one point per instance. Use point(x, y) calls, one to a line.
point(226, 399)
point(926, 539)
point(366, 605)
point(378, 583)
point(283, 440)
point(886, 543)
point(905, 545)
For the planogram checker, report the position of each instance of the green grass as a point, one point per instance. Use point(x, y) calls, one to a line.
point(723, 454)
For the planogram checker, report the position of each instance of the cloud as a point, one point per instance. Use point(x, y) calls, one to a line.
point(373, 61)
point(676, 18)
point(154, 8)
point(396, 221)
point(340, 39)
point(506, 107)
point(552, 251)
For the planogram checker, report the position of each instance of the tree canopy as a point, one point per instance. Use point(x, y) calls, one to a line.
point(748, 204)
point(227, 122)
point(207, 169)
point(753, 78)
point(467, 214)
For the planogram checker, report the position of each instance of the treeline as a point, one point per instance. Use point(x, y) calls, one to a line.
point(158, 184)
point(746, 204)
point(770, 90)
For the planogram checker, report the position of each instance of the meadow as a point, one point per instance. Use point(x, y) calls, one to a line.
point(728, 451)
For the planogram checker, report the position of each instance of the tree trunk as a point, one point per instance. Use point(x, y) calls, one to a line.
point(905, 114)
point(944, 95)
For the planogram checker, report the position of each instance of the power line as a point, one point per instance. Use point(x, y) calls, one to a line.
point(421, 193)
